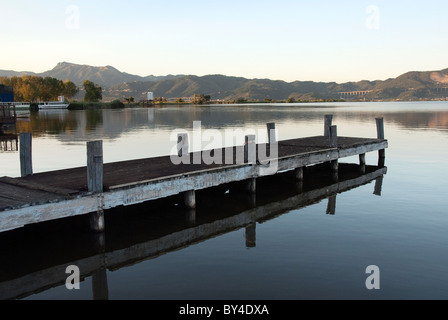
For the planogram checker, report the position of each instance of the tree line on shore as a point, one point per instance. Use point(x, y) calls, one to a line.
point(36, 88)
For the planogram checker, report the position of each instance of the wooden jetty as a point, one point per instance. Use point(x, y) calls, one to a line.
point(99, 186)
point(42, 262)
point(8, 115)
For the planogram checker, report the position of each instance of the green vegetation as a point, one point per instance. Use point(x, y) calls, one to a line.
point(94, 93)
point(75, 105)
point(34, 88)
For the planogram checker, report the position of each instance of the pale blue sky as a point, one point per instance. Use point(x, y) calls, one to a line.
point(286, 40)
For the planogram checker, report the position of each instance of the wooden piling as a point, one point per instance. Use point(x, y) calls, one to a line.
point(95, 182)
point(380, 135)
point(182, 144)
point(333, 136)
point(26, 165)
point(333, 141)
point(250, 157)
point(95, 166)
point(272, 138)
point(327, 124)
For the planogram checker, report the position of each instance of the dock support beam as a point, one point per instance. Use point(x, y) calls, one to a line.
point(380, 135)
point(95, 182)
point(26, 162)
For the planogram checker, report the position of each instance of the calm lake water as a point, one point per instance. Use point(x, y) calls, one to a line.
point(290, 242)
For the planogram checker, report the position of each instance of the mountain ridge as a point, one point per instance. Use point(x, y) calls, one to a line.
point(411, 85)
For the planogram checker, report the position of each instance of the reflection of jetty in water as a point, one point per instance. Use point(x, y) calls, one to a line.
point(9, 142)
point(35, 259)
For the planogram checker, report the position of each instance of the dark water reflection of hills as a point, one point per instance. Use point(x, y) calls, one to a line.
point(79, 125)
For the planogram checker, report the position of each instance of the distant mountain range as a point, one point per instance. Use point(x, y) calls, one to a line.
point(413, 85)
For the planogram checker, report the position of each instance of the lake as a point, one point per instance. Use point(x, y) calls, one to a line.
point(289, 243)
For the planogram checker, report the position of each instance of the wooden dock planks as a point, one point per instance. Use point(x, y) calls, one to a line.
point(140, 180)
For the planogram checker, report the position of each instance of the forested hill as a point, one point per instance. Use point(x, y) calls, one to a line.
point(118, 85)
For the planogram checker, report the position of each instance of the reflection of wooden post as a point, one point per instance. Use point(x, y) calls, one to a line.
point(95, 181)
point(331, 207)
point(26, 162)
point(362, 162)
point(327, 124)
point(99, 285)
point(190, 199)
point(251, 236)
point(191, 217)
point(298, 174)
point(380, 135)
point(378, 186)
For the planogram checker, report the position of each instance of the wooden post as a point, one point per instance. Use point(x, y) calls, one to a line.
point(380, 128)
point(327, 124)
point(95, 166)
point(190, 199)
point(26, 162)
point(95, 182)
point(380, 135)
point(333, 136)
point(272, 138)
point(250, 155)
point(333, 139)
point(182, 144)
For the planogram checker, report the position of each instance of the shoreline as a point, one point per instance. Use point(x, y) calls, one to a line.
point(116, 104)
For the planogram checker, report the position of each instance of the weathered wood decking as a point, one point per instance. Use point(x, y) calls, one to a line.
point(63, 193)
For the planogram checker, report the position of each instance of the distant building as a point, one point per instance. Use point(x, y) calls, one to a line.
point(6, 94)
point(150, 96)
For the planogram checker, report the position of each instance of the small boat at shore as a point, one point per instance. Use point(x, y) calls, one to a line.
point(60, 104)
